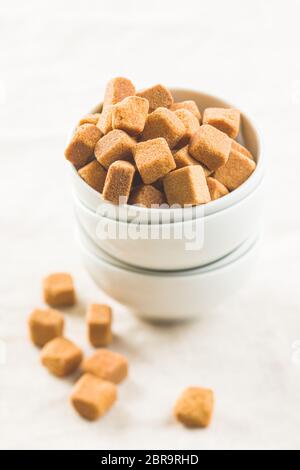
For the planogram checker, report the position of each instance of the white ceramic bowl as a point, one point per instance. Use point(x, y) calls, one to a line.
point(181, 245)
point(170, 296)
point(248, 136)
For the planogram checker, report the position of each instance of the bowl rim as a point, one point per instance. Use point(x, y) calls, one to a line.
point(211, 207)
point(237, 255)
point(206, 218)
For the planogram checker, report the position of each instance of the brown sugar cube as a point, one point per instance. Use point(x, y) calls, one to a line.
point(94, 175)
point(183, 158)
point(137, 180)
point(164, 123)
point(194, 407)
point(210, 147)
point(98, 320)
point(116, 145)
point(153, 159)
point(236, 171)
point(61, 356)
point(90, 119)
point(93, 397)
point(118, 182)
point(240, 148)
point(45, 325)
point(190, 105)
point(105, 119)
point(190, 123)
point(59, 290)
point(216, 188)
point(107, 365)
point(81, 148)
point(186, 186)
point(130, 115)
point(159, 184)
point(225, 119)
point(158, 96)
point(117, 89)
point(147, 196)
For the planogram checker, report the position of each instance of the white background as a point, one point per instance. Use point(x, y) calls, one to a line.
point(56, 57)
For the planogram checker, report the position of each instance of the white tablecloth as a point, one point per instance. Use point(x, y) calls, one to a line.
point(55, 60)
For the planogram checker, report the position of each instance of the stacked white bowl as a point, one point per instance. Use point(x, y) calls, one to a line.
point(166, 264)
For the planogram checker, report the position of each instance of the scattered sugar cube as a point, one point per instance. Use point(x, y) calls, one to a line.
point(105, 119)
point(164, 123)
point(118, 182)
point(147, 196)
point(117, 89)
point(99, 318)
point(183, 158)
point(158, 96)
point(81, 148)
point(153, 159)
point(116, 145)
point(194, 407)
point(186, 186)
point(225, 119)
point(107, 365)
point(93, 397)
point(210, 146)
point(94, 175)
point(190, 123)
point(190, 105)
point(61, 356)
point(90, 119)
point(240, 148)
point(44, 325)
point(130, 115)
point(59, 290)
point(216, 188)
point(236, 171)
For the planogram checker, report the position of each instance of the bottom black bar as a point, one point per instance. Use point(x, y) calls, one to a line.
point(138, 458)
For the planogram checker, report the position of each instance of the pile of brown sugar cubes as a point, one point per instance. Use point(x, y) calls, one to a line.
point(144, 148)
point(95, 391)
